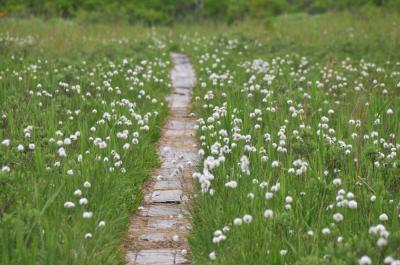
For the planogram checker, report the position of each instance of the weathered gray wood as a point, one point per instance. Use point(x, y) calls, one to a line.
point(158, 230)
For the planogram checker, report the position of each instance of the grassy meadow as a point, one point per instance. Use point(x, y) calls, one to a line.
point(299, 132)
point(298, 129)
point(81, 108)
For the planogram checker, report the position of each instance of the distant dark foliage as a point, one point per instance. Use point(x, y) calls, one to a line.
point(169, 11)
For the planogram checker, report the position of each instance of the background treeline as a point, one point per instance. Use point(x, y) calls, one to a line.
point(168, 11)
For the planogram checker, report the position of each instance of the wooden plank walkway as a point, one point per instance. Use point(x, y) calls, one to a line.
point(157, 233)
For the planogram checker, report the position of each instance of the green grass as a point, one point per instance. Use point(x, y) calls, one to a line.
point(88, 83)
point(315, 65)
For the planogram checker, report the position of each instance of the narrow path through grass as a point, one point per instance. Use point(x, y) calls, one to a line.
point(157, 234)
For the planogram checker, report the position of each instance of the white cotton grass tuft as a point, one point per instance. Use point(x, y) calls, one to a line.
point(383, 217)
point(78, 193)
point(381, 242)
point(231, 184)
point(212, 256)
point(83, 201)
point(283, 252)
point(69, 205)
point(20, 148)
point(268, 213)
point(338, 217)
point(247, 218)
point(353, 204)
point(87, 184)
point(244, 165)
point(237, 221)
point(87, 215)
point(326, 231)
point(364, 260)
point(275, 163)
point(6, 169)
point(250, 195)
point(390, 260)
point(337, 182)
point(269, 195)
point(6, 142)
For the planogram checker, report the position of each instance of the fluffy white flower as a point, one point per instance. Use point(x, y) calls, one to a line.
point(365, 260)
point(250, 195)
point(352, 204)
point(237, 221)
point(78, 193)
point(381, 242)
point(388, 259)
point(6, 169)
point(268, 213)
point(87, 184)
point(83, 201)
point(289, 199)
point(6, 142)
point(231, 184)
point(212, 256)
point(269, 195)
point(69, 205)
point(326, 231)
point(247, 218)
point(383, 217)
point(244, 165)
point(87, 215)
point(338, 217)
point(275, 163)
point(61, 152)
point(337, 182)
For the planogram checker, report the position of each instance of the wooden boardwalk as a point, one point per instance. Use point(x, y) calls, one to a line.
point(157, 232)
